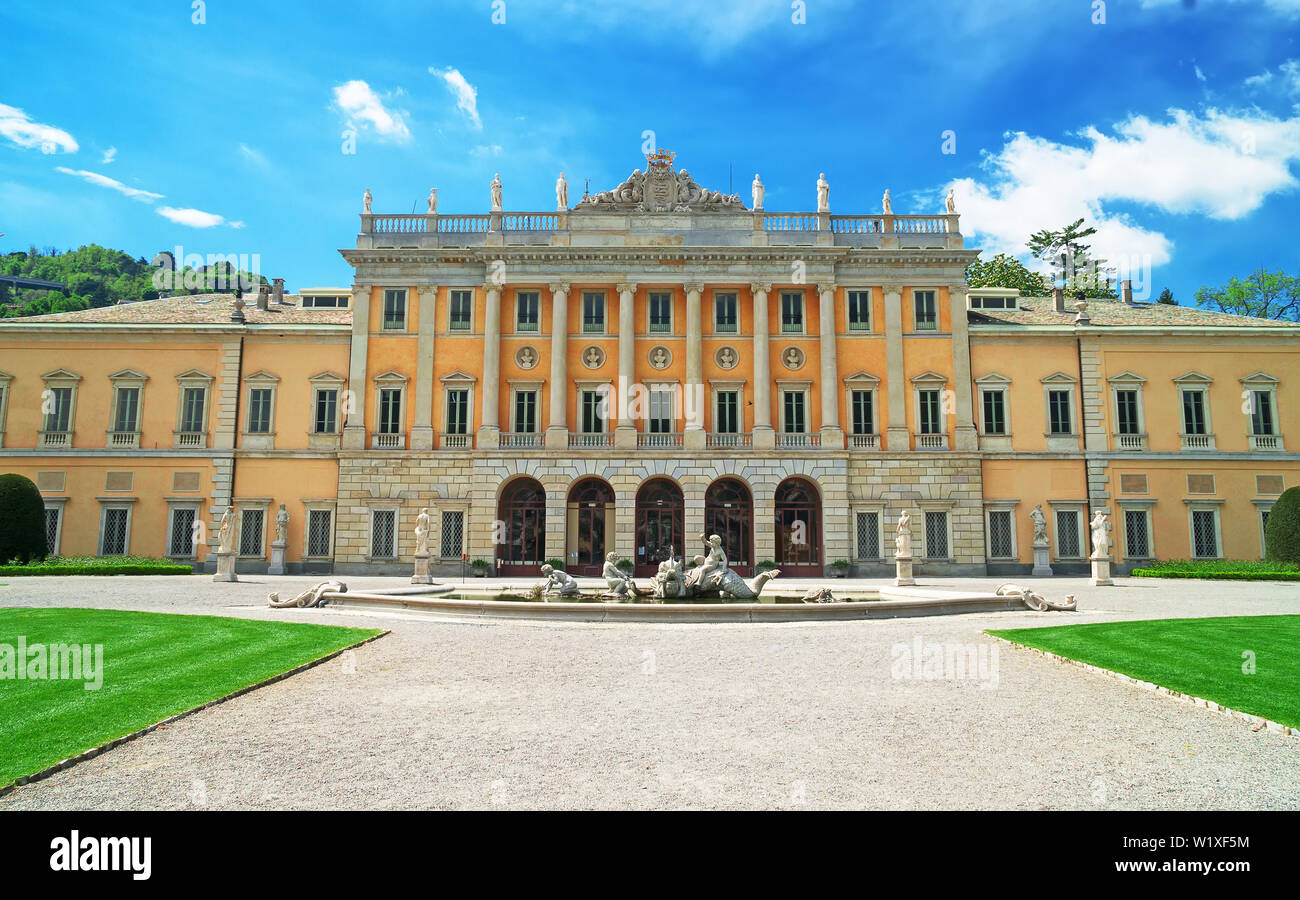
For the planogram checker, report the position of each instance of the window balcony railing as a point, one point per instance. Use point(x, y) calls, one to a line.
point(591, 441)
point(520, 439)
point(124, 440)
point(864, 442)
point(388, 441)
point(190, 440)
point(932, 442)
point(1197, 441)
point(1266, 442)
point(56, 440)
point(1130, 442)
point(788, 441)
point(658, 440)
point(728, 440)
point(454, 441)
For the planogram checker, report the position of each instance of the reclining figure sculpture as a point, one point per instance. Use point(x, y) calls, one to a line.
point(1036, 602)
point(313, 596)
point(709, 578)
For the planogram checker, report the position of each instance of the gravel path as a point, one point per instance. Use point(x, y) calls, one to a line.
point(528, 715)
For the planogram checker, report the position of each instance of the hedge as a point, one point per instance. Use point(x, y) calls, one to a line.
point(22, 520)
point(1220, 570)
point(1282, 536)
point(94, 565)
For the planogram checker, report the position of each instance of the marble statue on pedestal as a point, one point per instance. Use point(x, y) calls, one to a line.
point(433, 201)
point(496, 192)
point(1042, 552)
point(561, 193)
point(823, 194)
point(366, 199)
point(886, 204)
point(1040, 524)
point(951, 203)
point(422, 533)
point(226, 531)
point(282, 525)
point(1100, 536)
point(759, 192)
point(903, 535)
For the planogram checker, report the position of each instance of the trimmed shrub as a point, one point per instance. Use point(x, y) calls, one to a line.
point(100, 565)
point(1282, 536)
point(1220, 570)
point(22, 520)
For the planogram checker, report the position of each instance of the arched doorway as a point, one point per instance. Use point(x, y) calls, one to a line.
point(660, 516)
point(798, 528)
point(729, 513)
point(521, 514)
point(589, 526)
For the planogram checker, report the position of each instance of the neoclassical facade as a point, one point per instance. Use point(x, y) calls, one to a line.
point(654, 363)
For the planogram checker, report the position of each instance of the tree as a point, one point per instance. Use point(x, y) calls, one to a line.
point(1282, 536)
point(1263, 295)
point(1167, 297)
point(1007, 272)
point(1065, 251)
point(22, 520)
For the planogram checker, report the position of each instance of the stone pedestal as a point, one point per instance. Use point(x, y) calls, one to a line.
point(693, 438)
point(1101, 571)
point(225, 567)
point(764, 437)
point(277, 559)
point(1042, 561)
point(903, 575)
point(421, 575)
point(625, 437)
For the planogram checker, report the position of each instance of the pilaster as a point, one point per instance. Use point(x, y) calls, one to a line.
point(422, 423)
point(354, 431)
point(557, 429)
point(897, 438)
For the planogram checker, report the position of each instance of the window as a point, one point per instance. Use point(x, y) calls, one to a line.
point(725, 311)
point(394, 310)
point(114, 530)
point(936, 535)
point(728, 416)
point(324, 301)
point(383, 533)
point(1205, 534)
point(1194, 412)
point(460, 316)
point(180, 543)
point(453, 534)
point(593, 412)
point(930, 419)
point(792, 312)
point(662, 415)
point(1137, 534)
point(259, 411)
point(1068, 545)
point(868, 535)
point(458, 412)
point(126, 414)
point(794, 403)
point(1058, 412)
point(251, 522)
point(58, 410)
point(527, 306)
point(327, 411)
point(861, 403)
point(1126, 412)
point(193, 412)
point(1261, 413)
point(390, 411)
point(320, 524)
point(593, 313)
point(859, 310)
point(995, 411)
point(526, 412)
point(992, 302)
point(661, 313)
point(53, 523)
point(1001, 543)
point(927, 318)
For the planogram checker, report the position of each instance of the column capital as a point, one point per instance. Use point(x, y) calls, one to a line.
point(825, 286)
point(760, 287)
point(361, 289)
point(892, 288)
point(490, 286)
point(694, 287)
point(427, 289)
point(559, 287)
point(627, 287)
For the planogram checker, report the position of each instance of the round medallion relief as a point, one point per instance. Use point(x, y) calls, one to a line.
point(726, 358)
point(661, 357)
point(792, 358)
point(593, 357)
point(526, 357)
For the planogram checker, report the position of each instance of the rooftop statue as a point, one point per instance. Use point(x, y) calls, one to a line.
point(759, 193)
point(823, 194)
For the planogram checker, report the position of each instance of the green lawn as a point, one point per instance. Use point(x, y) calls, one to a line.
point(155, 665)
point(1201, 657)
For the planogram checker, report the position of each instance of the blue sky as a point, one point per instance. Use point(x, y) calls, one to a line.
point(1173, 126)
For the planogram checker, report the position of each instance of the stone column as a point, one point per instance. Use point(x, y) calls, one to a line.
point(489, 431)
point(354, 431)
point(422, 426)
point(557, 429)
point(897, 438)
point(764, 435)
point(832, 434)
point(625, 433)
point(693, 439)
point(965, 435)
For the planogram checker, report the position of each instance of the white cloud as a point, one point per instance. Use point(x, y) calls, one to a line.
point(1288, 83)
point(713, 26)
point(1287, 8)
point(19, 129)
point(1200, 76)
point(254, 156)
point(485, 150)
point(1219, 165)
point(110, 155)
point(111, 183)
point(361, 104)
point(465, 93)
point(195, 218)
